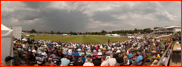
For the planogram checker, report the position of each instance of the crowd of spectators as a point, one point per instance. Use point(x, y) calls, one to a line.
point(133, 52)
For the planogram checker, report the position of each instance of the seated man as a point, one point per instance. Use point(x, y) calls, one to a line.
point(7, 61)
point(76, 54)
point(130, 55)
point(112, 61)
point(139, 58)
point(56, 60)
point(65, 61)
point(69, 54)
point(39, 59)
point(88, 63)
point(119, 59)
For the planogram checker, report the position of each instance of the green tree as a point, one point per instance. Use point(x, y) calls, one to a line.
point(71, 32)
point(148, 30)
point(88, 32)
point(58, 32)
point(33, 31)
point(52, 32)
point(113, 32)
point(156, 27)
point(142, 32)
point(103, 32)
point(135, 30)
point(45, 32)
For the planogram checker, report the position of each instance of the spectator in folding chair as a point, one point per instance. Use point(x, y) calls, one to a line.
point(19, 46)
point(51, 56)
point(83, 58)
point(125, 58)
point(119, 59)
point(72, 63)
point(30, 55)
point(109, 51)
point(60, 53)
point(76, 54)
point(39, 59)
point(97, 61)
point(80, 62)
point(89, 52)
point(104, 50)
point(96, 47)
point(69, 54)
point(7, 61)
point(94, 54)
point(147, 50)
point(139, 58)
point(153, 50)
point(72, 47)
point(104, 62)
point(112, 61)
point(99, 53)
point(56, 60)
point(143, 53)
point(88, 63)
point(130, 55)
point(55, 50)
point(121, 50)
point(114, 54)
point(154, 62)
point(27, 46)
point(89, 56)
point(44, 54)
point(69, 46)
point(24, 47)
point(65, 61)
point(65, 52)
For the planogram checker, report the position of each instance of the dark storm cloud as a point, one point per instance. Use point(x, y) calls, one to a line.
point(89, 16)
point(36, 4)
point(104, 17)
point(62, 20)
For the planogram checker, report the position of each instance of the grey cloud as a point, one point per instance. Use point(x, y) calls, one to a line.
point(104, 17)
point(61, 20)
point(36, 4)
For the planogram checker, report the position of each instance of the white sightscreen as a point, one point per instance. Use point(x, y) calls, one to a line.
point(6, 47)
point(17, 32)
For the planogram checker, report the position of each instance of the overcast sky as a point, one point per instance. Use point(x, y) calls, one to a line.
point(90, 16)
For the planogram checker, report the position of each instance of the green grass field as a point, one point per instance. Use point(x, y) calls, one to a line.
point(79, 39)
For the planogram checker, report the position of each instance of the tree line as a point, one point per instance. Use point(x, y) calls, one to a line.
point(103, 32)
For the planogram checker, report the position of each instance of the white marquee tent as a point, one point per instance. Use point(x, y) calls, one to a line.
point(6, 42)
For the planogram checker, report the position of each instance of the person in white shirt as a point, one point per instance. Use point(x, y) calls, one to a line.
point(79, 49)
point(88, 63)
point(108, 47)
point(44, 54)
point(112, 61)
point(104, 62)
point(24, 47)
point(99, 53)
point(101, 46)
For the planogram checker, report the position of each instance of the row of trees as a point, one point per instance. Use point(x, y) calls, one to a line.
point(103, 32)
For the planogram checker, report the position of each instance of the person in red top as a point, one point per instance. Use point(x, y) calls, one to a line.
point(157, 43)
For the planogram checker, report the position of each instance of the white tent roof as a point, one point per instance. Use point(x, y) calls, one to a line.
point(6, 42)
point(5, 31)
point(4, 27)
